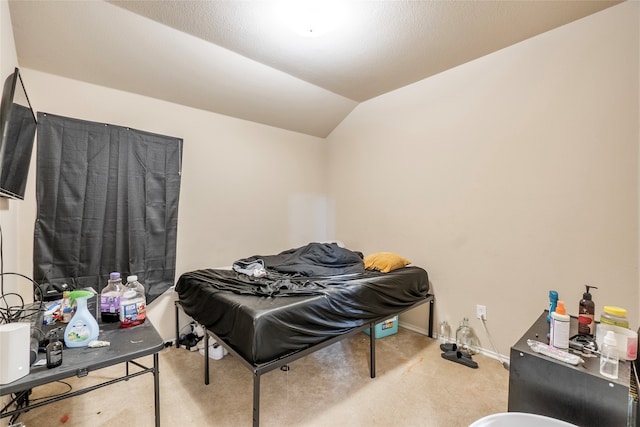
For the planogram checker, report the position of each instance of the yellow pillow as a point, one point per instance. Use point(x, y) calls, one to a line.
point(385, 261)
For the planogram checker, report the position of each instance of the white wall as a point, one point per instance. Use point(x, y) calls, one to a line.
point(9, 209)
point(241, 181)
point(505, 177)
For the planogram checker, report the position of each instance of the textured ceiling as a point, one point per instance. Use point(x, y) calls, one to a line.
point(235, 57)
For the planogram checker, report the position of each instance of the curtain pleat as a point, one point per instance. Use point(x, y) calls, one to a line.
point(107, 200)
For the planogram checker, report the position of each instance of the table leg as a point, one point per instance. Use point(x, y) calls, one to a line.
point(156, 387)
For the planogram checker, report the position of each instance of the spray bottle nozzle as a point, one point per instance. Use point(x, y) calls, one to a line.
point(74, 295)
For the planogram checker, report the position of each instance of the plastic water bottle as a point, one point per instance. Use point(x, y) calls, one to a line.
point(110, 299)
point(609, 356)
point(133, 303)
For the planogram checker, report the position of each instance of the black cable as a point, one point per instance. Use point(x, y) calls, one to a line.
point(11, 311)
point(20, 399)
point(69, 389)
point(36, 288)
point(1, 264)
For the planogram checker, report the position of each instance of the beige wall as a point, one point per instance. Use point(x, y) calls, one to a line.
point(242, 182)
point(9, 209)
point(505, 177)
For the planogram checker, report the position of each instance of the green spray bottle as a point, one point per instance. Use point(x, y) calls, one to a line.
point(83, 327)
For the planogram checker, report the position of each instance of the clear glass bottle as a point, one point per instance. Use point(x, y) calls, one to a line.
point(609, 356)
point(110, 299)
point(444, 333)
point(466, 338)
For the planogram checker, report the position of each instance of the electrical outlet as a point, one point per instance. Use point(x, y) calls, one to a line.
point(481, 311)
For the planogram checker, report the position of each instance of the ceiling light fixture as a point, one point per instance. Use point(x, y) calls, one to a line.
point(311, 18)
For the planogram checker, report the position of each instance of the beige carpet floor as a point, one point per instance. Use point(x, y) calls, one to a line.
point(414, 386)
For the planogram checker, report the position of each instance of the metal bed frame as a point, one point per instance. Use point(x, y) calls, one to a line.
point(262, 368)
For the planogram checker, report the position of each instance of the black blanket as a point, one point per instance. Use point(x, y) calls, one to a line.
point(314, 259)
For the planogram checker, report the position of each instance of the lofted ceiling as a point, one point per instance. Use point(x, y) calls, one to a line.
point(236, 58)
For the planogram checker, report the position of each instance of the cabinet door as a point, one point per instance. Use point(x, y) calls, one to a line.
point(539, 385)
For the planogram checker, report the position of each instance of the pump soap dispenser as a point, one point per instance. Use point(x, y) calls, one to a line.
point(586, 311)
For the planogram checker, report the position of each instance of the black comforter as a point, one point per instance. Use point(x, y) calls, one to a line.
point(262, 328)
point(314, 259)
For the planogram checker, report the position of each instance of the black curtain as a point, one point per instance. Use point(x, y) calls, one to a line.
point(107, 200)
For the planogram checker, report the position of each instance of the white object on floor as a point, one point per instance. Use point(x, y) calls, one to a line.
point(216, 351)
point(520, 419)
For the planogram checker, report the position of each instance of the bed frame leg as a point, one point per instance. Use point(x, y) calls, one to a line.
point(256, 399)
point(431, 306)
point(206, 357)
point(372, 348)
point(177, 325)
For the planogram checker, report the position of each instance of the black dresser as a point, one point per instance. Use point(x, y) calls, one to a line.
point(539, 384)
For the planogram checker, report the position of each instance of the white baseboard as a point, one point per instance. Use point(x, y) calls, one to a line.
point(488, 353)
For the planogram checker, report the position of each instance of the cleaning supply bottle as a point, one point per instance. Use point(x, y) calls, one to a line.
point(553, 301)
point(54, 351)
point(133, 304)
point(586, 311)
point(83, 327)
point(66, 308)
point(560, 322)
point(609, 356)
point(110, 299)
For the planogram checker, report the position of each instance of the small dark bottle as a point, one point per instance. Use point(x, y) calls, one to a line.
point(54, 352)
point(586, 310)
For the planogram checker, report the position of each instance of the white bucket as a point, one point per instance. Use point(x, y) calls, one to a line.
point(520, 419)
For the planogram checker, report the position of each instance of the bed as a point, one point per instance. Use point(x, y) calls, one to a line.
point(271, 310)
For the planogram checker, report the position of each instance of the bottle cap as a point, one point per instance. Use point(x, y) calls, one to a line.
point(132, 278)
point(615, 311)
point(560, 308)
point(610, 338)
point(114, 275)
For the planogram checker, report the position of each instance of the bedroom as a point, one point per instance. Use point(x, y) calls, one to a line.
point(499, 204)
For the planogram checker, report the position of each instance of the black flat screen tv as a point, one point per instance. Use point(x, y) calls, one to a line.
point(18, 126)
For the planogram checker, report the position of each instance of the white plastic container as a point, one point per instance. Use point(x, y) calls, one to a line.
point(519, 419)
point(626, 339)
point(609, 356)
point(559, 330)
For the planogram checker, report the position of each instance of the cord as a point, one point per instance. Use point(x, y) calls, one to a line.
point(1, 264)
point(505, 363)
point(62, 393)
point(20, 398)
point(9, 312)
